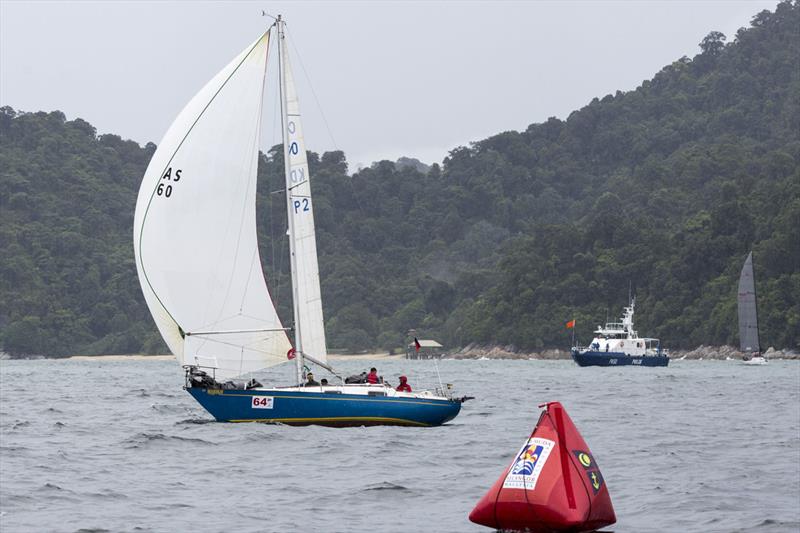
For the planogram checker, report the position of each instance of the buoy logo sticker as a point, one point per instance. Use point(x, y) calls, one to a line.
point(525, 469)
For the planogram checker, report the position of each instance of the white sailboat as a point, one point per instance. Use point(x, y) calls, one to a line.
point(198, 263)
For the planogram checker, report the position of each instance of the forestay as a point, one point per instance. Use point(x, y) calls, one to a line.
point(305, 274)
point(195, 228)
point(748, 319)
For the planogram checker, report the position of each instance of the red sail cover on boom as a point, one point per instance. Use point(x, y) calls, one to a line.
point(553, 484)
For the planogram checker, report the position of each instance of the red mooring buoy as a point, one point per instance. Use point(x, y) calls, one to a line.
point(553, 484)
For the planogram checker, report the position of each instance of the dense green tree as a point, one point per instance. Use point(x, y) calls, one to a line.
point(664, 188)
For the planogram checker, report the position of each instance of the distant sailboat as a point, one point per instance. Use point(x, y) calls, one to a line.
point(748, 315)
point(197, 258)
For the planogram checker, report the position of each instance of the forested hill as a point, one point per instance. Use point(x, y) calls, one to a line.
point(666, 187)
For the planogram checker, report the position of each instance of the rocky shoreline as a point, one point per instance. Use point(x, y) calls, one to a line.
point(477, 351)
point(481, 351)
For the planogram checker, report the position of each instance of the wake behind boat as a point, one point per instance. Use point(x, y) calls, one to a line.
point(618, 344)
point(197, 258)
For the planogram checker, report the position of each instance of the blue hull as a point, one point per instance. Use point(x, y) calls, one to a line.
point(592, 358)
point(326, 409)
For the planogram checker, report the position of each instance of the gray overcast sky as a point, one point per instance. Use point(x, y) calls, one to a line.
point(392, 78)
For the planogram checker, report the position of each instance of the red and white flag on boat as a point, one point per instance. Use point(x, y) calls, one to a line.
point(417, 345)
point(553, 483)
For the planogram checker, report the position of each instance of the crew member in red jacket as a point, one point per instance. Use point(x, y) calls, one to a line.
point(372, 377)
point(404, 386)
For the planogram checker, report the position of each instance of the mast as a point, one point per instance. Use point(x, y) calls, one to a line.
point(279, 25)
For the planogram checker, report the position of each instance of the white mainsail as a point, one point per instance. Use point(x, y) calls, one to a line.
point(310, 329)
point(195, 228)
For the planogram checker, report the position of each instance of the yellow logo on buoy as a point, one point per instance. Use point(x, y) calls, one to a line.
point(585, 460)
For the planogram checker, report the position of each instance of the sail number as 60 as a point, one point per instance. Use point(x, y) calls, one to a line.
point(165, 185)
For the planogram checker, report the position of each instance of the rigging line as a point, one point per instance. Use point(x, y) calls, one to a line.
point(278, 270)
point(241, 209)
point(247, 163)
point(253, 260)
point(211, 325)
point(313, 92)
point(275, 104)
point(277, 322)
point(250, 346)
point(272, 242)
point(255, 342)
point(276, 263)
point(256, 257)
point(169, 162)
point(324, 120)
point(215, 341)
point(235, 332)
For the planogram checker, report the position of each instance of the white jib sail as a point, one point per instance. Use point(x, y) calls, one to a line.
point(309, 322)
point(195, 228)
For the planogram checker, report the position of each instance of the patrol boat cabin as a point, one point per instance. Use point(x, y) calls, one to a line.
point(619, 344)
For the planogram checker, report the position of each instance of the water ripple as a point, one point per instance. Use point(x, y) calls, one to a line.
point(699, 447)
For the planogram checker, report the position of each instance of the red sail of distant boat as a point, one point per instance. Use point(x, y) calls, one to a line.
point(553, 484)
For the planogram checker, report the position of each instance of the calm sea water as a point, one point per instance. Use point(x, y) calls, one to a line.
point(118, 446)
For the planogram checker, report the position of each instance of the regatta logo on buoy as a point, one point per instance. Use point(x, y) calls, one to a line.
point(527, 461)
point(528, 465)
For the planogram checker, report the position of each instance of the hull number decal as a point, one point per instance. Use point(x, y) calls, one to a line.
point(262, 402)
